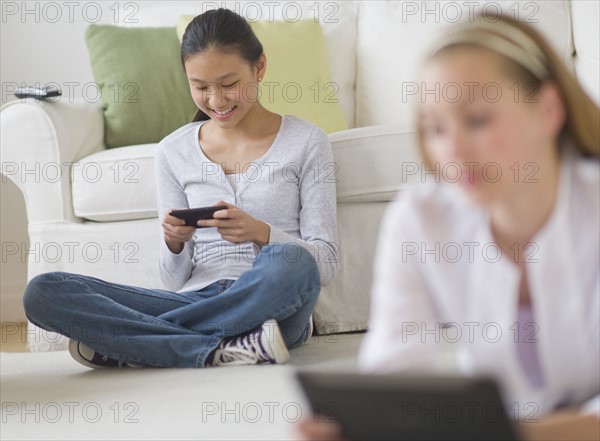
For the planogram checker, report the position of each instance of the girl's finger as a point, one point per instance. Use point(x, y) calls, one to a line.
point(224, 214)
point(209, 222)
point(320, 430)
point(222, 202)
point(232, 239)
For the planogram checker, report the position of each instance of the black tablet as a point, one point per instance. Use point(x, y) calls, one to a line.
point(408, 407)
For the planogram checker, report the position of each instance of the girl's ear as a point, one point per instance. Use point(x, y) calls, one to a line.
point(261, 66)
point(553, 108)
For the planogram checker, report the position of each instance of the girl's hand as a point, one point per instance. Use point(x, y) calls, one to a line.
point(175, 232)
point(312, 430)
point(563, 425)
point(235, 225)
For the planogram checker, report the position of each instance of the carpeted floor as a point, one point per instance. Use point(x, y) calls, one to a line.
point(49, 396)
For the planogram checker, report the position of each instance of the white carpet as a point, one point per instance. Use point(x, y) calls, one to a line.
point(49, 396)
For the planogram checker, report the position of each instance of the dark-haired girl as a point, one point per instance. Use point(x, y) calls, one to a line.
point(242, 287)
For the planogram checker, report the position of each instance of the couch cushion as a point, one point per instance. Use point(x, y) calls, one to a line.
point(373, 163)
point(383, 95)
point(116, 184)
point(145, 93)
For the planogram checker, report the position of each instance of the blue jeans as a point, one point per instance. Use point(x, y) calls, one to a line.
point(155, 327)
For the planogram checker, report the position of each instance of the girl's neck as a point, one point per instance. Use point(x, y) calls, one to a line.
point(519, 217)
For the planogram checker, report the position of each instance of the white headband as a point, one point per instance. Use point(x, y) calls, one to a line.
point(500, 37)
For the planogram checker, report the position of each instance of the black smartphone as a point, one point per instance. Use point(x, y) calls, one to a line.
point(191, 216)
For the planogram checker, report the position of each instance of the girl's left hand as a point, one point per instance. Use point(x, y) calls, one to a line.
point(236, 226)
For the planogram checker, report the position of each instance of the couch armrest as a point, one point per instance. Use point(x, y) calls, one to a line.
point(41, 141)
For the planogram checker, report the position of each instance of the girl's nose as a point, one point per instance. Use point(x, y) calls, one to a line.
point(215, 98)
point(458, 146)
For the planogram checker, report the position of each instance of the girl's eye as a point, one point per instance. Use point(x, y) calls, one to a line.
point(202, 88)
point(477, 121)
point(229, 85)
point(433, 129)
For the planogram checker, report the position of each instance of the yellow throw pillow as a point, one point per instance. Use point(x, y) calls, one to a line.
point(297, 80)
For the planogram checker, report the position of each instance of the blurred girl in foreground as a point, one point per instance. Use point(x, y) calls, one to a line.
point(505, 245)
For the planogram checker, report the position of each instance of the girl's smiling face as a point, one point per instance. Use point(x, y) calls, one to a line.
point(223, 84)
point(481, 129)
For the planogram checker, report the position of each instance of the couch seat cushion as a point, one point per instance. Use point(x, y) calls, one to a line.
point(116, 184)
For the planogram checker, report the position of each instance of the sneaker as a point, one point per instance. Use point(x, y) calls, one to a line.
point(90, 358)
point(310, 328)
point(263, 344)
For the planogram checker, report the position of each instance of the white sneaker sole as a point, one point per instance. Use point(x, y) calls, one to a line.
point(75, 348)
point(275, 341)
point(83, 354)
point(311, 327)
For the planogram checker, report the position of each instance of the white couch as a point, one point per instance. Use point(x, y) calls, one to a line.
point(107, 227)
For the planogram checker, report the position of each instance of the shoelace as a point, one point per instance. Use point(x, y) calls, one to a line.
point(239, 351)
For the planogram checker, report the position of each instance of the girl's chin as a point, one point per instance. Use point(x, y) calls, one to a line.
point(477, 194)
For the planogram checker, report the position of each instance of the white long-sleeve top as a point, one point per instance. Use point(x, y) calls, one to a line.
point(291, 187)
point(437, 262)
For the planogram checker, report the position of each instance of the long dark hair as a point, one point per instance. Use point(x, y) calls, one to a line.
point(224, 30)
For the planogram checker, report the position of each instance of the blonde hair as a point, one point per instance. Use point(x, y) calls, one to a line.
point(530, 60)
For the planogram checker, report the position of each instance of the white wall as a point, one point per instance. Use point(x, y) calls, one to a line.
point(44, 42)
point(586, 34)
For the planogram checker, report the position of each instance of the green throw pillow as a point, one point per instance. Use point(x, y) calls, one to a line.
point(298, 65)
point(145, 93)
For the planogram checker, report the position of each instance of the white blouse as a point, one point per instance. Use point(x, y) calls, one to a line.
point(439, 278)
